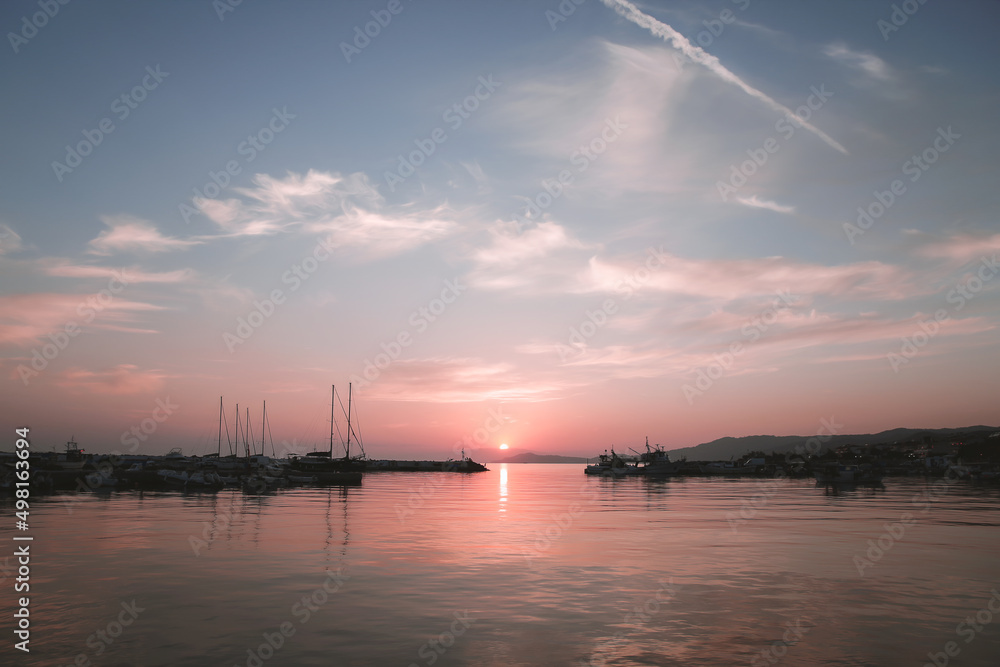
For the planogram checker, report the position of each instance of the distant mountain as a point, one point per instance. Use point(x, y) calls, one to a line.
point(725, 448)
point(529, 457)
point(728, 448)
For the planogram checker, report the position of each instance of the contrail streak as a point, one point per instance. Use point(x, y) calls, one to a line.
point(629, 11)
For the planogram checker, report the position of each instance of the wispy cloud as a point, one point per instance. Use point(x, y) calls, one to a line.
point(533, 243)
point(868, 63)
point(128, 275)
point(960, 247)
point(374, 234)
point(698, 55)
point(731, 279)
point(754, 202)
point(119, 380)
point(348, 209)
point(274, 205)
point(514, 260)
point(459, 380)
point(603, 90)
point(126, 233)
point(25, 318)
point(795, 338)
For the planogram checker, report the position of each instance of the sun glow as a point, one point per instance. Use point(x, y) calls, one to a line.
point(503, 446)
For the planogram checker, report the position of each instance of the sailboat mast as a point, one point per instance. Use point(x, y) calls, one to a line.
point(333, 402)
point(219, 452)
point(348, 421)
point(263, 419)
point(246, 443)
point(237, 429)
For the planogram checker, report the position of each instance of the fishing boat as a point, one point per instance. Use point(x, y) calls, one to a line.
point(656, 462)
point(612, 465)
point(71, 459)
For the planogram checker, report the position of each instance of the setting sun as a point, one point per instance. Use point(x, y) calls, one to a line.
point(503, 446)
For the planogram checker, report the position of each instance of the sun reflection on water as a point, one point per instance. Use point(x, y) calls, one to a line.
point(503, 487)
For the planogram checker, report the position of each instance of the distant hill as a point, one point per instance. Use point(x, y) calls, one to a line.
point(529, 457)
point(728, 448)
point(725, 448)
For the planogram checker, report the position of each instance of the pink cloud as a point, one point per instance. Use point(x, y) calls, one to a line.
point(457, 380)
point(133, 274)
point(731, 279)
point(119, 380)
point(129, 234)
point(25, 318)
point(962, 247)
point(513, 259)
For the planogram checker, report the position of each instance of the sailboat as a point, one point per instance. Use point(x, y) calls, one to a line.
point(322, 465)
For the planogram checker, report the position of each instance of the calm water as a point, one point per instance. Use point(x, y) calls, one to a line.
point(523, 565)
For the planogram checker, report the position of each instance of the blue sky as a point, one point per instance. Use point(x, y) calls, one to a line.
point(604, 316)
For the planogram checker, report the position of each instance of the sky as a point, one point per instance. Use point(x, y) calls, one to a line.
point(558, 226)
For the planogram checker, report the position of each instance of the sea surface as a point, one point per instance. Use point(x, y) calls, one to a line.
point(521, 565)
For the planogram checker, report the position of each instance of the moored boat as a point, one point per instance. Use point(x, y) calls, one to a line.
point(322, 465)
point(656, 462)
point(612, 465)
